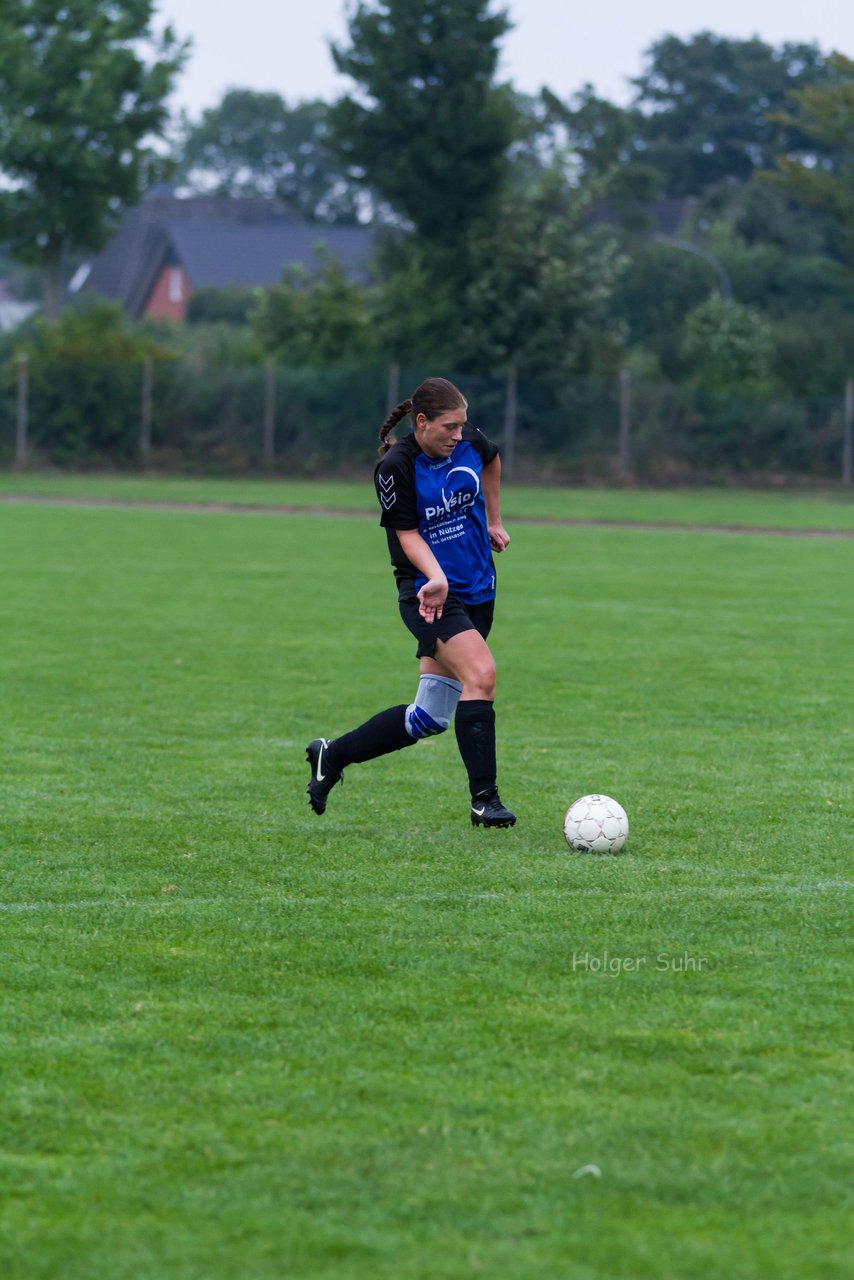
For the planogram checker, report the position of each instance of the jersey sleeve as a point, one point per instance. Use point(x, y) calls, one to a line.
point(487, 448)
point(395, 484)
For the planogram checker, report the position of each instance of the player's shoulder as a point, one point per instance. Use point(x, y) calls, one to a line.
point(480, 441)
point(399, 458)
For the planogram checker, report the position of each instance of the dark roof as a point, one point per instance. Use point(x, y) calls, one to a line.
point(670, 216)
point(666, 216)
point(219, 256)
point(218, 241)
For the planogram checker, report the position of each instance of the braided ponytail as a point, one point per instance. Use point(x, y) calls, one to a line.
point(397, 414)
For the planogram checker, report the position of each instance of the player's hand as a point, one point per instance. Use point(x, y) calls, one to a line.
point(499, 538)
point(432, 597)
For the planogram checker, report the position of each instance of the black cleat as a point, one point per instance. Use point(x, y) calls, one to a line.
point(488, 811)
point(323, 776)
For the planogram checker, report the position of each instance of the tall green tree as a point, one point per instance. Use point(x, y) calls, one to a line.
point(601, 141)
point(428, 128)
point(537, 297)
point(79, 109)
point(825, 178)
point(707, 107)
point(600, 134)
point(416, 306)
point(254, 143)
point(651, 299)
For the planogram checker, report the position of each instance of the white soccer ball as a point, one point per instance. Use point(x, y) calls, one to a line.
point(596, 824)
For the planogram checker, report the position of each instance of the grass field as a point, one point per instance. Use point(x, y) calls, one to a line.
point(828, 510)
point(240, 1042)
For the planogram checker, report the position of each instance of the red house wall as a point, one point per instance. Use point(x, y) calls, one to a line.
point(168, 298)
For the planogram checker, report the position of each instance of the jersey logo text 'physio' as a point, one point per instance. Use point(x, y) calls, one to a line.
point(454, 503)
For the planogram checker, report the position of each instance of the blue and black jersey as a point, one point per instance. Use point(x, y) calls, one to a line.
point(443, 499)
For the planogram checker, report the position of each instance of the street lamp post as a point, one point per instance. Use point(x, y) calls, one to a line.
point(719, 268)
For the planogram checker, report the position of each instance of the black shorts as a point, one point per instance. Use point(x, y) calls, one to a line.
point(456, 618)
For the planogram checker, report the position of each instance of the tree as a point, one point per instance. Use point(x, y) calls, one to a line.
point(729, 347)
point(600, 134)
point(651, 299)
point(319, 319)
point(78, 109)
point(825, 178)
point(415, 308)
point(430, 129)
point(255, 144)
point(600, 141)
point(537, 297)
point(761, 213)
point(707, 107)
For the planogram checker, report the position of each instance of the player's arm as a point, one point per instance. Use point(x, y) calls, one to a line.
point(433, 594)
point(491, 478)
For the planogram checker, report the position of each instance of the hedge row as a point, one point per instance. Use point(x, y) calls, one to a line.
point(87, 414)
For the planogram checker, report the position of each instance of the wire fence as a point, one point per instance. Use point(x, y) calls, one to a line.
point(174, 416)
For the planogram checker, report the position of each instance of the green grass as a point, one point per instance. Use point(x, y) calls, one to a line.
point(831, 509)
point(240, 1042)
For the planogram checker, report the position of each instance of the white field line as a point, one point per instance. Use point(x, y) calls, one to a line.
point(282, 509)
point(129, 904)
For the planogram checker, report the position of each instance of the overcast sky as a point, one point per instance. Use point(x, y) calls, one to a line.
point(283, 45)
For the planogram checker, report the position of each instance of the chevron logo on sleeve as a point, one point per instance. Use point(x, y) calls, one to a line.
point(388, 497)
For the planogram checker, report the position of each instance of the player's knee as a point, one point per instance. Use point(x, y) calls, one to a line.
point(434, 706)
point(480, 683)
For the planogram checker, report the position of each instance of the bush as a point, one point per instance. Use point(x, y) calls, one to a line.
point(85, 385)
point(209, 409)
point(232, 305)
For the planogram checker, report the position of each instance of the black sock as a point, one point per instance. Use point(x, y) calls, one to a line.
point(474, 725)
point(378, 736)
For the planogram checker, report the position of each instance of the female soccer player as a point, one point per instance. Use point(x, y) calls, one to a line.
point(439, 493)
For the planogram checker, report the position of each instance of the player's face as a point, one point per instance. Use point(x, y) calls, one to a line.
point(439, 437)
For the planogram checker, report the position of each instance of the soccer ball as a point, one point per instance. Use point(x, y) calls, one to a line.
point(596, 824)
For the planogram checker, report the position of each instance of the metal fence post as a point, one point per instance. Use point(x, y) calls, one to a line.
point(624, 445)
point(511, 419)
point(145, 409)
point(848, 431)
point(269, 443)
point(392, 394)
point(22, 410)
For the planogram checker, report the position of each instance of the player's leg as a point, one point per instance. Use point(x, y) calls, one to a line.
point(379, 736)
point(467, 658)
point(430, 713)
